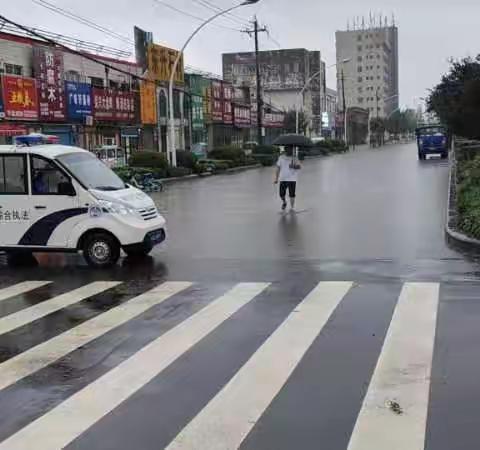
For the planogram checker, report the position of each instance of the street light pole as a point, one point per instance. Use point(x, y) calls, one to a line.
point(171, 121)
point(300, 99)
point(344, 108)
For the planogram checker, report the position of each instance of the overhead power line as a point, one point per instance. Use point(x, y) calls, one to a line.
point(193, 16)
point(58, 44)
point(65, 13)
point(41, 35)
point(212, 7)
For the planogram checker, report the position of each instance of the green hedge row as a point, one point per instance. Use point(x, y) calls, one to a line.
point(468, 196)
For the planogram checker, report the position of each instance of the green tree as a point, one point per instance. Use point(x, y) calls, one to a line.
point(456, 99)
point(290, 122)
point(401, 122)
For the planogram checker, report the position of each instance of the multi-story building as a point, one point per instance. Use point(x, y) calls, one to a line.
point(57, 92)
point(367, 62)
point(284, 73)
point(330, 113)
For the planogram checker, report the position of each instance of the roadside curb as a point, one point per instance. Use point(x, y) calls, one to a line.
point(196, 176)
point(453, 236)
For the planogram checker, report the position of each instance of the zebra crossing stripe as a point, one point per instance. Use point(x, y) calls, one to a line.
point(225, 422)
point(60, 426)
point(21, 288)
point(27, 315)
point(394, 411)
point(47, 352)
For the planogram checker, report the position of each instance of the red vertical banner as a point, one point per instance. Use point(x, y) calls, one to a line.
point(48, 67)
point(227, 103)
point(217, 101)
point(20, 98)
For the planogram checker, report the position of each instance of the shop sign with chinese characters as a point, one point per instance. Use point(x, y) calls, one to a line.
point(48, 66)
point(20, 98)
point(112, 105)
point(79, 100)
point(14, 215)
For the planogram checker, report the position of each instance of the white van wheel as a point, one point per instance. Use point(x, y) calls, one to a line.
point(101, 250)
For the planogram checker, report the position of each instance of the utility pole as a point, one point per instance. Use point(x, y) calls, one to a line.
point(255, 32)
point(344, 108)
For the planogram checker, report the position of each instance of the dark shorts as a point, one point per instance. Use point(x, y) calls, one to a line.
point(290, 185)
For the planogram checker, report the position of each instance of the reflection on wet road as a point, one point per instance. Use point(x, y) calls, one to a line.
point(305, 325)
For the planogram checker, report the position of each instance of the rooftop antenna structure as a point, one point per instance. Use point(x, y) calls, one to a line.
point(348, 24)
point(363, 23)
point(393, 19)
point(370, 20)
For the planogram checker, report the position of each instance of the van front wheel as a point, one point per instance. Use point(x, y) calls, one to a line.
point(101, 250)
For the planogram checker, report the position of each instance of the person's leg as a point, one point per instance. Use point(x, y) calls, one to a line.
point(283, 193)
point(292, 188)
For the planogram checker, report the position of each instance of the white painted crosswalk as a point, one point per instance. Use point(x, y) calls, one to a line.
point(394, 410)
point(46, 353)
point(21, 288)
point(25, 316)
point(225, 422)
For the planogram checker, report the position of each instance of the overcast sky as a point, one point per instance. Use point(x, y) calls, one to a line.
point(430, 31)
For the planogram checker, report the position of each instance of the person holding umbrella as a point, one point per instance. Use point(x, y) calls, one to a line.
point(288, 167)
point(287, 174)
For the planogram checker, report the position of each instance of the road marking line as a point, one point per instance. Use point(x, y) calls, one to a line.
point(228, 418)
point(60, 426)
point(21, 288)
point(49, 351)
point(394, 411)
point(27, 315)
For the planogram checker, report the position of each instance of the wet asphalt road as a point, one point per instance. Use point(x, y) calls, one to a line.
point(372, 217)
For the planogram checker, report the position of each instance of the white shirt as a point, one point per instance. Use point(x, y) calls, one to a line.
point(286, 172)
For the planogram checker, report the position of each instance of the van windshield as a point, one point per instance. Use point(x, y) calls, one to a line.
point(91, 172)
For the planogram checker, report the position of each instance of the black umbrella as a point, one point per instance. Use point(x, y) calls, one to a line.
point(295, 140)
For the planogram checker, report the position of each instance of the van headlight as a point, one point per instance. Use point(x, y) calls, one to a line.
point(117, 208)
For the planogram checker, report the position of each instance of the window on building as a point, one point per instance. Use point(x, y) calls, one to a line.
point(359, 59)
point(360, 90)
point(359, 37)
point(360, 99)
point(13, 175)
point(359, 69)
point(287, 67)
point(378, 77)
point(359, 79)
point(359, 48)
point(296, 67)
point(13, 69)
point(378, 45)
point(112, 84)
point(72, 75)
point(97, 82)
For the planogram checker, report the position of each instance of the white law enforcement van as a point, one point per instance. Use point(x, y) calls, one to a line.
point(64, 199)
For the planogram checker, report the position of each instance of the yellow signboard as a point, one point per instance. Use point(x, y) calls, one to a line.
point(148, 103)
point(160, 63)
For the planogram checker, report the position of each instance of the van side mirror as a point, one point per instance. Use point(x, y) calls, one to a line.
point(66, 188)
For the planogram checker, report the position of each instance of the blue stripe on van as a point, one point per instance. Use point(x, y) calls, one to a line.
point(39, 233)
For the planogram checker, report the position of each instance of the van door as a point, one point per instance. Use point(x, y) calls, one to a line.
point(15, 207)
point(55, 205)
